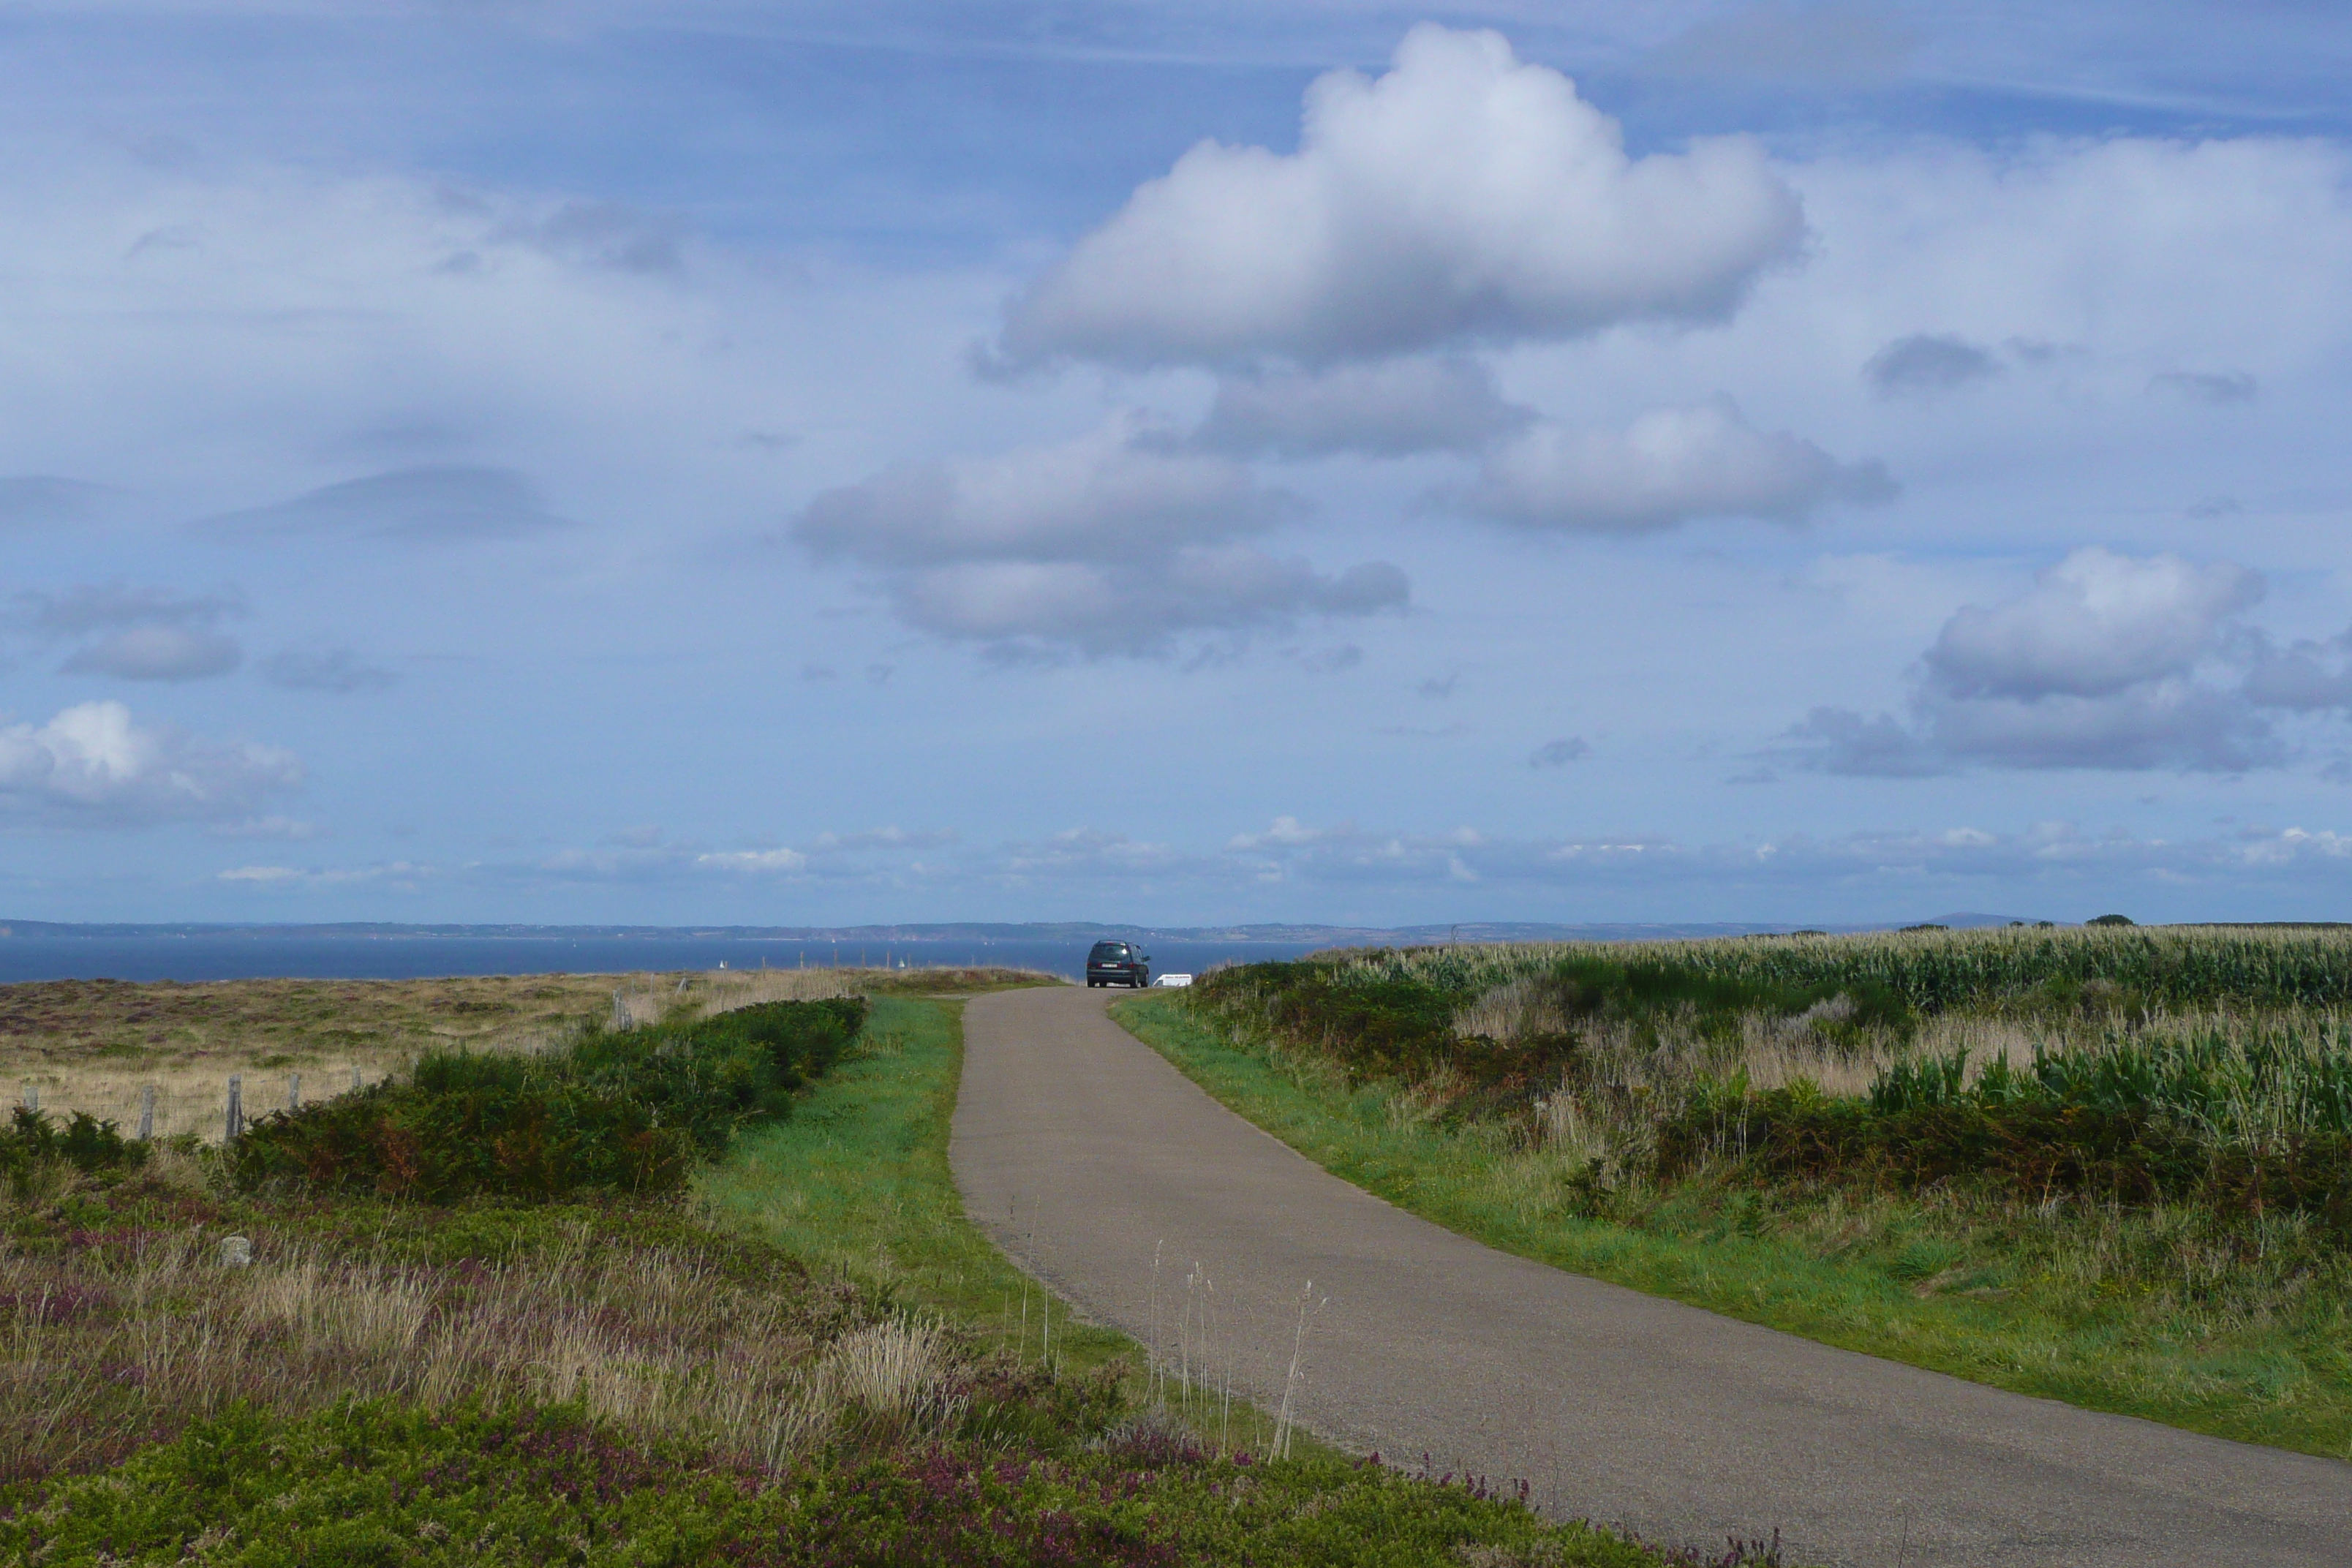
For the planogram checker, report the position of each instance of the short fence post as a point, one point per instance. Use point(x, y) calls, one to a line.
point(31, 1097)
point(355, 1079)
point(620, 1012)
point(147, 1114)
point(293, 1092)
point(234, 1123)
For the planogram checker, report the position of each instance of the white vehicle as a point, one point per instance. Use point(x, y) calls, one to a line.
point(1172, 980)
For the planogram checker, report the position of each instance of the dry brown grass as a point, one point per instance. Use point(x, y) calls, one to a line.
point(96, 1045)
point(121, 1318)
point(141, 1330)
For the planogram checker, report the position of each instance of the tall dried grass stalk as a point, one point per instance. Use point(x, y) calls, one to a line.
point(106, 1343)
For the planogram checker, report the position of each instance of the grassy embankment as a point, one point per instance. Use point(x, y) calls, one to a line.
point(808, 1359)
point(2112, 1168)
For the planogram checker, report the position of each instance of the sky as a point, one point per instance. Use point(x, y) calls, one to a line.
point(1308, 460)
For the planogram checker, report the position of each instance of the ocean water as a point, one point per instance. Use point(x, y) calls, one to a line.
point(263, 955)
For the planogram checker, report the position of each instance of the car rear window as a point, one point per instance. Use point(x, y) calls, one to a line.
point(1109, 950)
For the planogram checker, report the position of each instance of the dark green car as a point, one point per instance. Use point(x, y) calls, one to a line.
point(1118, 964)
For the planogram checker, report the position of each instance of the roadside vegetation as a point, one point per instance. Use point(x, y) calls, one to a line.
point(2112, 1167)
point(95, 1046)
point(696, 1291)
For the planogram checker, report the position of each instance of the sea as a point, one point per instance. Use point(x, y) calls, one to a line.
point(279, 954)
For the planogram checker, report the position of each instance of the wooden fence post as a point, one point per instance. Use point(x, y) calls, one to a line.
point(146, 1113)
point(235, 1123)
point(356, 1078)
point(31, 1097)
point(293, 1092)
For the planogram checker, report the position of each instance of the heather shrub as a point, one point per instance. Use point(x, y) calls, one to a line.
point(622, 1111)
point(371, 1481)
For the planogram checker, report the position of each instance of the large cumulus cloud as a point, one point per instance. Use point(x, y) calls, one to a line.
point(1122, 541)
point(2093, 625)
point(2108, 661)
point(1669, 466)
point(1463, 198)
point(93, 766)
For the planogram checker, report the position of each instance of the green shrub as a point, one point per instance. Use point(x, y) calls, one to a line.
point(628, 1110)
point(87, 1144)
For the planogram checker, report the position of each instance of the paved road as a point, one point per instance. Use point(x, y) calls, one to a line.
point(1086, 1154)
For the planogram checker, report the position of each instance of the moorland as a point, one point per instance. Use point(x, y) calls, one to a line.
point(645, 1270)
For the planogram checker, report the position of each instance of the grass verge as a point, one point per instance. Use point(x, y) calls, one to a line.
point(856, 1183)
point(2083, 1303)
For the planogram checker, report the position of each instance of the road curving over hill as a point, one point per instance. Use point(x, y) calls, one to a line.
point(1087, 1156)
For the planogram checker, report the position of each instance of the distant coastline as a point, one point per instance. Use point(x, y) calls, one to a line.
point(957, 932)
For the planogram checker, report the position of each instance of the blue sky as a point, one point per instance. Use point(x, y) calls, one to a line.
point(806, 464)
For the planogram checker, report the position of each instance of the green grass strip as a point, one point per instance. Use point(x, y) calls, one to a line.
point(2283, 1382)
point(856, 1182)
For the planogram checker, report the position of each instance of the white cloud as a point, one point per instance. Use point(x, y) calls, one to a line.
point(2172, 725)
point(1385, 409)
point(1670, 466)
point(1100, 497)
point(1087, 853)
point(754, 860)
point(1136, 609)
point(91, 766)
point(1286, 833)
point(2107, 662)
point(1119, 542)
point(2094, 624)
point(1463, 198)
point(158, 652)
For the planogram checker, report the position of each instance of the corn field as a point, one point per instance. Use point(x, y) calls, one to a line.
point(2172, 967)
point(2211, 1063)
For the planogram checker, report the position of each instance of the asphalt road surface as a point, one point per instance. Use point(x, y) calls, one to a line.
point(1088, 1157)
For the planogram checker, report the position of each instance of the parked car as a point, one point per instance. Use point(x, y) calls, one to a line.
point(1176, 981)
point(1117, 963)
